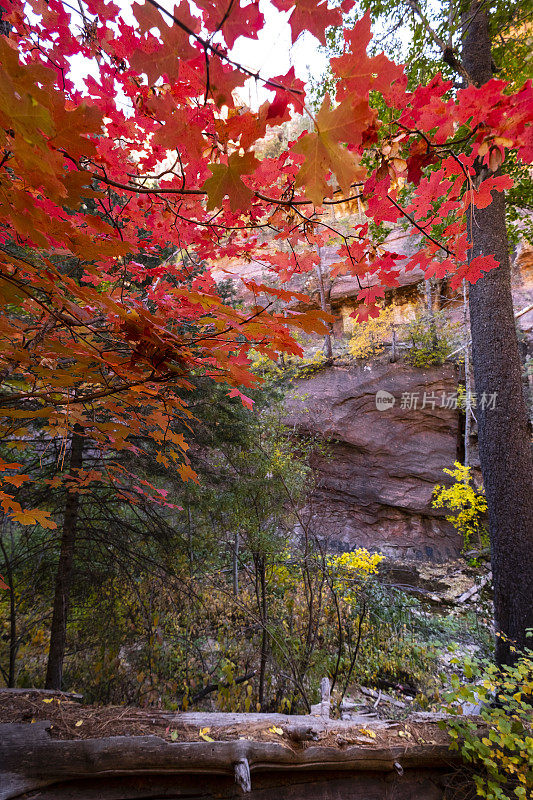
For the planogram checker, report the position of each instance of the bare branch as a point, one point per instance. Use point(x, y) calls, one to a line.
point(448, 53)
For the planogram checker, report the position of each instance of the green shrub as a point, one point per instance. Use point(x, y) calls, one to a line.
point(432, 339)
point(501, 749)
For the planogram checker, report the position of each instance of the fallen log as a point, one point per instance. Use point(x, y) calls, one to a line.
point(31, 759)
point(46, 692)
point(474, 589)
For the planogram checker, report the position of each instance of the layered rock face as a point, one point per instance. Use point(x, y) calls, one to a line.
point(374, 490)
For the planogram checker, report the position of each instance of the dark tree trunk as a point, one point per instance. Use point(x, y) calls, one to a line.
point(58, 631)
point(5, 27)
point(263, 613)
point(13, 644)
point(504, 446)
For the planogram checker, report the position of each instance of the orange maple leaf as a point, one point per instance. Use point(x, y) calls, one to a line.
point(324, 152)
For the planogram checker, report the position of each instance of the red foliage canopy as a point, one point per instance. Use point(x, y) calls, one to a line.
point(158, 152)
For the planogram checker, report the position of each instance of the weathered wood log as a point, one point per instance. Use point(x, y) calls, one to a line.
point(242, 775)
point(474, 589)
point(214, 719)
point(385, 698)
point(416, 785)
point(31, 759)
point(47, 692)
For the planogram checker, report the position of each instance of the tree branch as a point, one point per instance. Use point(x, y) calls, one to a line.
point(448, 54)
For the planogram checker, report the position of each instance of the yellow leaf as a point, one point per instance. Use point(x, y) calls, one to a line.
point(503, 141)
point(79, 722)
point(204, 736)
point(275, 729)
point(367, 732)
point(48, 699)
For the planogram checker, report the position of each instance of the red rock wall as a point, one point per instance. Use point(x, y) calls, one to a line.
point(375, 489)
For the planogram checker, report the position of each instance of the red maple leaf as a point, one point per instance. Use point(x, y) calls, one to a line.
point(359, 74)
point(483, 196)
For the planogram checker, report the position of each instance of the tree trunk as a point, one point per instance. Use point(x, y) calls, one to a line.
point(327, 338)
point(58, 631)
point(263, 611)
point(504, 447)
point(13, 644)
point(468, 381)
point(235, 563)
point(431, 315)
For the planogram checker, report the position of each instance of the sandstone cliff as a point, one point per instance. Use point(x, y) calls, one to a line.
point(375, 489)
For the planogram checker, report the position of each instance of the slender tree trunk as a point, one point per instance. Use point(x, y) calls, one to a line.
point(235, 564)
point(13, 645)
point(327, 339)
point(468, 381)
point(431, 315)
point(58, 632)
point(263, 611)
point(504, 446)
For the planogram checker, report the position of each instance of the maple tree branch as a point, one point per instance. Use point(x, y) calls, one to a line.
point(451, 17)
point(448, 54)
point(419, 227)
point(224, 18)
point(55, 314)
point(207, 77)
point(164, 190)
point(292, 203)
point(139, 189)
point(207, 46)
point(233, 327)
point(162, 174)
point(89, 397)
point(69, 323)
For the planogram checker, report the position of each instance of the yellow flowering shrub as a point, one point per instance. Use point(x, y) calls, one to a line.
point(466, 505)
point(348, 569)
point(359, 560)
point(282, 574)
point(367, 338)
